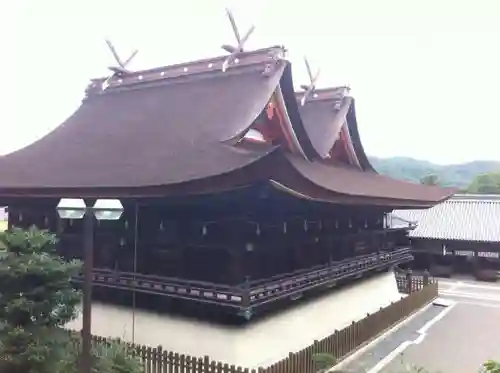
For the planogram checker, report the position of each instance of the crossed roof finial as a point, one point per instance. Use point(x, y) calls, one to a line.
point(234, 51)
point(309, 89)
point(121, 69)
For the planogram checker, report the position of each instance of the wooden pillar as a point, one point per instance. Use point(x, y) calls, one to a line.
point(236, 275)
point(409, 281)
point(329, 243)
point(426, 277)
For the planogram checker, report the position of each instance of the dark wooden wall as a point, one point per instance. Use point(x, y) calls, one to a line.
point(224, 239)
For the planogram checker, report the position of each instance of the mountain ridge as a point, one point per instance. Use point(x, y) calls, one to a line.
point(458, 175)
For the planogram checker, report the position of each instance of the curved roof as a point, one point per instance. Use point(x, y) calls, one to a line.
point(168, 131)
point(362, 186)
point(323, 116)
point(352, 125)
point(292, 107)
point(150, 131)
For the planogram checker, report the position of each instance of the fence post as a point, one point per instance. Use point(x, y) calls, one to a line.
point(426, 277)
point(246, 309)
point(159, 359)
point(409, 281)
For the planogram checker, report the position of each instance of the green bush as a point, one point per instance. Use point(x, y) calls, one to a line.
point(36, 300)
point(111, 357)
point(491, 367)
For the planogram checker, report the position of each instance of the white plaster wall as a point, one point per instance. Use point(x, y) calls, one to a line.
point(260, 342)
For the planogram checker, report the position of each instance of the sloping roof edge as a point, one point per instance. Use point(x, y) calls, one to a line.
point(292, 107)
point(460, 218)
point(252, 172)
point(355, 183)
point(352, 125)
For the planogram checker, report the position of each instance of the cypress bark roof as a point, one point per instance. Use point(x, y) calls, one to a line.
point(152, 131)
point(167, 131)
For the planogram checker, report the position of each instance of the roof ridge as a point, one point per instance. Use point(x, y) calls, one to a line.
point(475, 197)
point(473, 201)
point(331, 93)
point(188, 69)
point(94, 89)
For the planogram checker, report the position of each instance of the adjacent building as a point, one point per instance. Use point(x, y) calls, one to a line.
point(460, 235)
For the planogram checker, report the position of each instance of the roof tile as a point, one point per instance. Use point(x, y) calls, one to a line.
point(463, 217)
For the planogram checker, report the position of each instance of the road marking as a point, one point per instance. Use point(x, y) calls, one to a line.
point(479, 304)
point(463, 294)
point(403, 346)
point(377, 340)
point(470, 285)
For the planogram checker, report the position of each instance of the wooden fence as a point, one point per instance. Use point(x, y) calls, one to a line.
point(339, 344)
point(409, 282)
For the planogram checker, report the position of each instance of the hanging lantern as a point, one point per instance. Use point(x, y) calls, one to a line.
point(126, 224)
point(350, 223)
point(204, 230)
point(320, 224)
point(366, 223)
point(162, 228)
point(20, 217)
point(305, 225)
point(284, 227)
point(336, 224)
point(249, 246)
point(257, 231)
point(122, 242)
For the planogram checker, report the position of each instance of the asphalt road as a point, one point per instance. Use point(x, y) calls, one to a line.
point(454, 339)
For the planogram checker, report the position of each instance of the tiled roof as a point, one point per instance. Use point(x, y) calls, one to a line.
point(463, 217)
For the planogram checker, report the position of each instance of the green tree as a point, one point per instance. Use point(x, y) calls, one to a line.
point(36, 299)
point(431, 179)
point(491, 367)
point(486, 184)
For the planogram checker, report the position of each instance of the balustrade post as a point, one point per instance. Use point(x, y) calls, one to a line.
point(426, 277)
point(246, 309)
point(409, 281)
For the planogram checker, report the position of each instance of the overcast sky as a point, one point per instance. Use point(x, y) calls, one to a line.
point(425, 74)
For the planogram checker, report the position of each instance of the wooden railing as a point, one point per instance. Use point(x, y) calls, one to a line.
point(252, 293)
point(409, 282)
point(339, 345)
point(206, 292)
point(295, 283)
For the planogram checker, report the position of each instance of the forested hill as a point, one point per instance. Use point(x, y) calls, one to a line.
point(458, 175)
